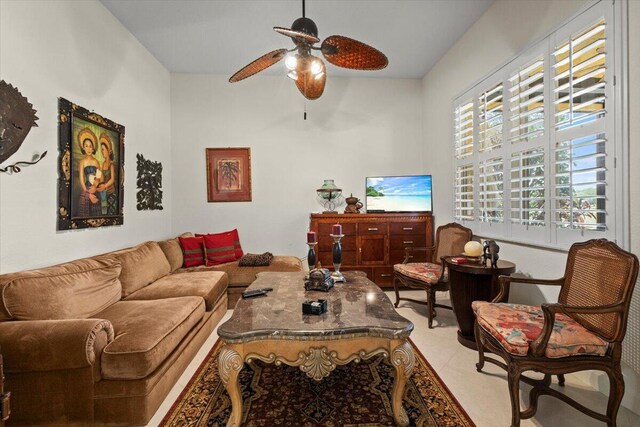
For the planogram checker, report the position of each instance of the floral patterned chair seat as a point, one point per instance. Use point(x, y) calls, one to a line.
point(515, 326)
point(423, 271)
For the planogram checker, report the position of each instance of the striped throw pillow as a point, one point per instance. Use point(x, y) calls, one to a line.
point(192, 251)
point(219, 247)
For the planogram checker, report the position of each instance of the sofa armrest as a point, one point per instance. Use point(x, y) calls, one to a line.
point(47, 345)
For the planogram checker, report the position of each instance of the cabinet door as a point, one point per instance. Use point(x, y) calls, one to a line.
point(373, 249)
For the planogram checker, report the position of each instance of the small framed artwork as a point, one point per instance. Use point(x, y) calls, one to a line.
point(90, 169)
point(229, 174)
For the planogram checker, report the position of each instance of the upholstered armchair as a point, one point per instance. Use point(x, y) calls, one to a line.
point(430, 276)
point(582, 331)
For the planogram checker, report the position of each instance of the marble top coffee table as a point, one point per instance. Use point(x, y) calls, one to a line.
point(359, 324)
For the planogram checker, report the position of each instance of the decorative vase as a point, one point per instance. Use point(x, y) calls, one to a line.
point(353, 204)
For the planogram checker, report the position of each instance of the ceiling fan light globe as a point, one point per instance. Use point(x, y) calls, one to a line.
point(316, 67)
point(293, 74)
point(291, 62)
point(319, 75)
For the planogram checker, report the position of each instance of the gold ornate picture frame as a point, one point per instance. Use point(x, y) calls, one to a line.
point(90, 169)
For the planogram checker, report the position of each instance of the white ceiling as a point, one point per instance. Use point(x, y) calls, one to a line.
point(220, 37)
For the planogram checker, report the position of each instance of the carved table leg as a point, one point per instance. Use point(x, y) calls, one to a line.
point(403, 361)
point(229, 365)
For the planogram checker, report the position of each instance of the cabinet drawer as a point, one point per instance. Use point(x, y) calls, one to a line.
point(401, 242)
point(397, 256)
point(416, 228)
point(326, 258)
point(383, 276)
point(371, 228)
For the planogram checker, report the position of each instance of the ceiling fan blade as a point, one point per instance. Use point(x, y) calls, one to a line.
point(311, 85)
point(349, 53)
point(265, 61)
point(309, 38)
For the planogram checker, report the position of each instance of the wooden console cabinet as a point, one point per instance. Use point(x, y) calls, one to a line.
point(373, 243)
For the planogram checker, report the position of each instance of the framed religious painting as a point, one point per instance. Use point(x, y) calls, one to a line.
point(90, 168)
point(229, 174)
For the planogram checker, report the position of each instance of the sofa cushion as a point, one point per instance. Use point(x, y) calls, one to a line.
point(243, 276)
point(146, 333)
point(210, 285)
point(142, 265)
point(173, 252)
point(73, 290)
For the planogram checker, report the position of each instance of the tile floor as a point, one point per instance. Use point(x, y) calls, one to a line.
point(483, 395)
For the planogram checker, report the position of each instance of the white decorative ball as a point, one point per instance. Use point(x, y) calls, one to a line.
point(473, 249)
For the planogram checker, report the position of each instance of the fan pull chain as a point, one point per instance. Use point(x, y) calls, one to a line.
point(305, 110)
point(303, 9)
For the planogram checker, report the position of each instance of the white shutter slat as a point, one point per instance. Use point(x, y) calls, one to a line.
point(527, 103)
point(528, 187)
point(580, 199)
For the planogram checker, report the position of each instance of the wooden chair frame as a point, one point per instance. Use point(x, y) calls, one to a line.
point(536, 360)
point(431, 289)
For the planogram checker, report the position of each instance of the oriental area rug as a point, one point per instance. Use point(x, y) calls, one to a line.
point(357, 394)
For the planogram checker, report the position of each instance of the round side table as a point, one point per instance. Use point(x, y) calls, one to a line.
point(473, 282)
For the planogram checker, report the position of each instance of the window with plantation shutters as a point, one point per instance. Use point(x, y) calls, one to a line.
point(464, 206)
point(538, 144)
point(490, 119)
point(580, 199)
point(464, 130)
point(526, 100)
point(580, 73)
point(527, 199)
point(491, 191)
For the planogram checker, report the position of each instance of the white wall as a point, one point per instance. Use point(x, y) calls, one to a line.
point(358, 128)
point(504, 30)
point(79, 51)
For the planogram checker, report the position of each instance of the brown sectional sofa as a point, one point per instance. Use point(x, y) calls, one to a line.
point(103, 340)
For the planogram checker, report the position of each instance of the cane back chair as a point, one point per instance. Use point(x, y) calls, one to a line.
point(431, 276)
point(582, 331)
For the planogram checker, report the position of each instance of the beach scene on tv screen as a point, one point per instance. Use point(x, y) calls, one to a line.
point(399, 193)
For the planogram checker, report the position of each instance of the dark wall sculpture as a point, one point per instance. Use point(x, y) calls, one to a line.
point(149, 184)
point(17, 117)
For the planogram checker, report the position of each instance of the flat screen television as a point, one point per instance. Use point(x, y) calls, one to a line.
point(399, 193)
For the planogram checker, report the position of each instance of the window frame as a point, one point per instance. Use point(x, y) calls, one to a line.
point(612, 125)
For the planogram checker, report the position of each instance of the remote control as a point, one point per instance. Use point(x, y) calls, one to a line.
point(253, 293)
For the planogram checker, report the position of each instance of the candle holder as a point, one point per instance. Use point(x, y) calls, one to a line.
point(337, 258)
point(311, 256)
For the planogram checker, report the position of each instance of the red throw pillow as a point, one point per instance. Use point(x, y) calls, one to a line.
point(236, 243)
point(192, 251)
point(219, 248)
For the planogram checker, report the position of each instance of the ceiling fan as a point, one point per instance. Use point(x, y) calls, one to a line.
point(308, 70)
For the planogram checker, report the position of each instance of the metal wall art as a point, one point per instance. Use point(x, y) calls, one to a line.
point(90, 169)
point(149, 184)
point(17, 117)
point(228, 175)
